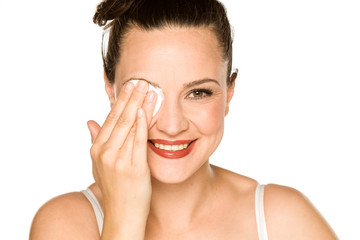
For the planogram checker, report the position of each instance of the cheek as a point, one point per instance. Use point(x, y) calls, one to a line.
point(208, 118)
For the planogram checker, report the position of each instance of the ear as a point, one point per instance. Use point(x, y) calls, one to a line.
point(230, 91)
point(109, 88)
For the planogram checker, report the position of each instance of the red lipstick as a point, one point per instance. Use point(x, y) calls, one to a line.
point(171, 154)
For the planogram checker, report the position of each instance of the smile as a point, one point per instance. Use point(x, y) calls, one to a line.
point(171, 149)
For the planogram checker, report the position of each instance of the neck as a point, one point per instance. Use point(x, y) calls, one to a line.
point(178, 205)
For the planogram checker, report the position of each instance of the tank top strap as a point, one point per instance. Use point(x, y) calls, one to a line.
point(259, 211)
point(96, 206)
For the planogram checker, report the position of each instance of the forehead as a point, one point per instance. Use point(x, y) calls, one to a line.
point(171, 51)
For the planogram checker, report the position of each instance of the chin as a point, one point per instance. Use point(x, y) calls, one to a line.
point(173, 171)
point(168, 179)
point(170, 172)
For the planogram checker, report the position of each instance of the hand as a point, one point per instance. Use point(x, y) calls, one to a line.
point(119, 154)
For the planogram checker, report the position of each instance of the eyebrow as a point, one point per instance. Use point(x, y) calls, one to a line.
point(198, 82)
point(185, 85)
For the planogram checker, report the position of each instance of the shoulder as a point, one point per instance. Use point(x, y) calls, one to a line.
point(68, 216)
point(290, 215)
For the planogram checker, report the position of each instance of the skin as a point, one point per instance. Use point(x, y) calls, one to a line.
point(184, 198)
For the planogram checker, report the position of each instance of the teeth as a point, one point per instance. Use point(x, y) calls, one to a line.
point(171, 147)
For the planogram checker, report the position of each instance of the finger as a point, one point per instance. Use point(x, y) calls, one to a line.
point(94, 129)
point(139, 152)
point(128, 116)
point(115, 112)
point(134, 148)
point(149, 105)
point(125, 152)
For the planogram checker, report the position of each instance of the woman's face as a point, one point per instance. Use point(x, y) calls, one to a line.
point(186, 64)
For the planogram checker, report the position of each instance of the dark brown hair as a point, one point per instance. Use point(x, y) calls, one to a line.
point(157, 14)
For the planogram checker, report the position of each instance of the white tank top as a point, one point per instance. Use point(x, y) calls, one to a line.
point(259, 210)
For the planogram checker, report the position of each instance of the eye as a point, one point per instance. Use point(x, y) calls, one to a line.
point(199, 93)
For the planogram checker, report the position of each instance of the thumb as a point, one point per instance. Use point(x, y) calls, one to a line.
point(94, 129)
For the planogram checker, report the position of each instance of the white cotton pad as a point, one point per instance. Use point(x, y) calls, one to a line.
point(159, 93)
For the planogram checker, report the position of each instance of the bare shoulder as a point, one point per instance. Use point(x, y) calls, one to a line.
point(68, 216)
point(290, 215)
point(236, 187)
point(238, 181)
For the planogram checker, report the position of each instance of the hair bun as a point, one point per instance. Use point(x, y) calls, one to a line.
point(110, 9)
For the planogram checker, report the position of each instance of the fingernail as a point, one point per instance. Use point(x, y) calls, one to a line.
point(128, 87)
point(150, 97)
point(141, 85)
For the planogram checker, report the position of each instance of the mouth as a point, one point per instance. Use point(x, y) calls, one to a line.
point(172, 146)
point(171, 149)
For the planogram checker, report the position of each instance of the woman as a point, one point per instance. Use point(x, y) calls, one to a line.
point(153, 179)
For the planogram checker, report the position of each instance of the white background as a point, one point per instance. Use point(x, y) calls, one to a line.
point(293, 121)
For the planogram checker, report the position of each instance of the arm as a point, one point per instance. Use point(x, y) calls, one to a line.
point(290, 215)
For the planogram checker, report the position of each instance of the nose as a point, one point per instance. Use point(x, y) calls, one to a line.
point(171, 119)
